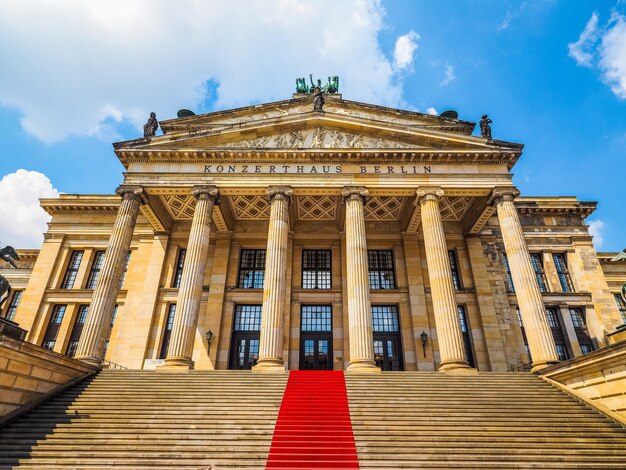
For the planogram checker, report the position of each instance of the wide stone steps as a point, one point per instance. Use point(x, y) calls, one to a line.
point(481, 421)
point(202, 420)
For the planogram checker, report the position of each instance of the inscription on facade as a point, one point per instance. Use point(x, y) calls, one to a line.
point(319, 169)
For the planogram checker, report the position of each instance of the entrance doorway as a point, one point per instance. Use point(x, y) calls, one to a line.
point(316, 337)
point(387, 341)
point(244, 351)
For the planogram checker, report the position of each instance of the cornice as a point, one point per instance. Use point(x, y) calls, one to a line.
point(554, 206)
point(80, 203)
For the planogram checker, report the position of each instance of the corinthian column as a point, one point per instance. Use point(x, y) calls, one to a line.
point(359, 307)
point(180, 347)
point(274, 285)
point(91, 344)
point(449, 334)
point(530, 302)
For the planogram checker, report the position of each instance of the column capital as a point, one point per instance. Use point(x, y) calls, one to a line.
point(502, 193)
point(207, 192)
point(279, 193)
point(132, 192)
point(350, 193)
point(428, 193)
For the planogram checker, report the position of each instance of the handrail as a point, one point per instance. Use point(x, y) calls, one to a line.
point(522, 368)
point(112, 365)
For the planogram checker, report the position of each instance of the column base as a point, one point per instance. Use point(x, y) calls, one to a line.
point(94, 361)
point(538, 365)
point(363, 365)
point(176, 364)
point(456, 366)
point(270, 365)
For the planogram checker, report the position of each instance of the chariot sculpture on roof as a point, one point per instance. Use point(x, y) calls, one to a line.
point(316, 87)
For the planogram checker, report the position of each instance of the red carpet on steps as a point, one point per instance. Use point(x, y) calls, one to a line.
point(313, 429)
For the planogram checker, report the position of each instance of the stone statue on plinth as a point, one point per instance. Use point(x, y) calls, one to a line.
point(9, 255)
point(150, 127)
point(485, 128)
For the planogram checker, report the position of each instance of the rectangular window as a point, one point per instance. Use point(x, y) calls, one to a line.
point(454, 267)
point(316, 318)
point(114, 315)
point(557, 333)
point(77, 330)
point(180, 263)
point(577, 317)
point(510, 287)
point(381, 270)
point(123, 278)
point(561, 268)
point(465, 330)
point(535, 259)
point(167, 332)
point(385, 319)
point(553, 319)
point(561, 351)
point(15, 301)
point(96, 266)
point(621, 305)
point(251, 269)
point(586, 348)
point(247, 318)
point(50, 338)
point(72, 270)
point(316, 270)
point(523, 330)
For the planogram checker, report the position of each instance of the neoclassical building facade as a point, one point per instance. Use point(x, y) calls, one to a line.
point(355, 237)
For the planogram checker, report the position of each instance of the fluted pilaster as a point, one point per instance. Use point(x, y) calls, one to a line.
point(91, 344)
point(359, 306)
point(182, 338)
point(274, 285)
point(449, 334)
point(530, 302)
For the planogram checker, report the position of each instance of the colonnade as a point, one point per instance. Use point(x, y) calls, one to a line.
point(451, 348)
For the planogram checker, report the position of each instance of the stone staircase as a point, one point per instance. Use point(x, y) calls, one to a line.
point(143, 419)
point(480, 421)
point(225, 419)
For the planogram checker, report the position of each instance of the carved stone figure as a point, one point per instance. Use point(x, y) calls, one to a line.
point(318, 101)
point(318, 138)
point(150, 127)
point(296, 139)
point(485, 128)
point(9, 255)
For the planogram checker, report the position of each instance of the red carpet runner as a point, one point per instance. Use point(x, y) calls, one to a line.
point(313, 429)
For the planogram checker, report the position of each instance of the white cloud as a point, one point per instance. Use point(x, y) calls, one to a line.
point(595, 230)
point(604, 48)
point(432, 111)
point(582, 50)
point(22, 220)
point(91, 64)
point(506, 22)
point(404, 51)
point(449, 75)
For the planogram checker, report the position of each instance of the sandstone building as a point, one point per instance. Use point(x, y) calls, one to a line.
point(357, 237)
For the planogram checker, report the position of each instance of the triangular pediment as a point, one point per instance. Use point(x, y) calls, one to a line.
point(316, 130)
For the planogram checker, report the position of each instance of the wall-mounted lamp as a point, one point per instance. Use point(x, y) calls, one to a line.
point(424, 337)
point(209, 338)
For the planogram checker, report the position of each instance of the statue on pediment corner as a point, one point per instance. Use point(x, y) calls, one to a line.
point(150, 127)
point(485, 128)
point(9, 255)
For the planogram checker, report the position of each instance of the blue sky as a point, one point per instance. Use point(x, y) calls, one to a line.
point(80, 75)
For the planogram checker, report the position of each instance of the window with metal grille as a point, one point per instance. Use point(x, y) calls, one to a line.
point(535, 259)
point(167, 331)
point(72, 270)
point(180, 263)
point(578, 318)
point(509, 277)
point(561, 268)
point(586, 348)
point(561, 351)
point(251, 269)
point(123, 278)
point(247, 318)
point(50, 337)
point(621, 305)
point(385, 319)
point(316, 269)
point(454, 267)
point(553, 319)
point(77, 330)
point(381, 269)
point(94, 273)
point(316, 318)
point(15, 301)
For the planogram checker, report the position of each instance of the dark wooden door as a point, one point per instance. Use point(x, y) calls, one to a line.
point(316, 351)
